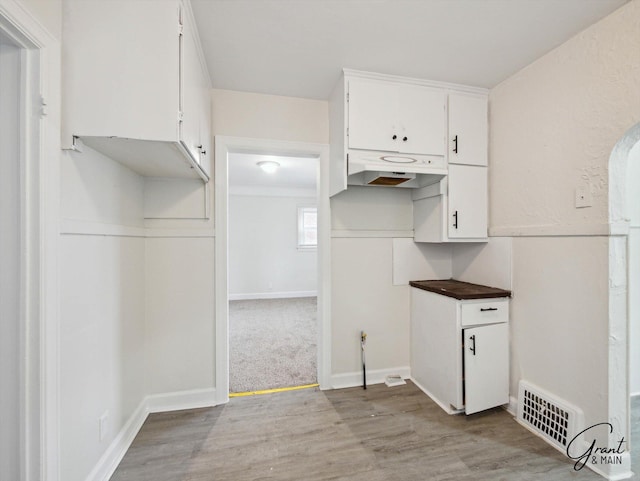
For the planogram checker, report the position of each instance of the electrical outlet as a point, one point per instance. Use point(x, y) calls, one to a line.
point(102, 425)
point(583, 197)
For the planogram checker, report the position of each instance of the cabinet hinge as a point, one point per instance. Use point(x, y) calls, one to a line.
point(347, 131)
point(347, 96)
point(44, 110)
point(180, 29)
point(180, 116)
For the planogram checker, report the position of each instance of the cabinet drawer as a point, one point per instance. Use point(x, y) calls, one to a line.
point(487, 312)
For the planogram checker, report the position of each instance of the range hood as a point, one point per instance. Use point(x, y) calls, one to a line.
point(394, 170)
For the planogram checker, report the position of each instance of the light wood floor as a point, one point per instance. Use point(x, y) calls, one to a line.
point(381, 434)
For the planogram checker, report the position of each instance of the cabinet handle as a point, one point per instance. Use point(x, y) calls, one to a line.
point(404, 139)
point(484, 309)
point(394, 137)
point(455, 144)
point(455, 222)
point(473, 345)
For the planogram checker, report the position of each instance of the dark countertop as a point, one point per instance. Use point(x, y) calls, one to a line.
point(460, 290)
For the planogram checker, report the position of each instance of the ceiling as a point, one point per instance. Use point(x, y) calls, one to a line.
point(298, 47)
point(293, 173)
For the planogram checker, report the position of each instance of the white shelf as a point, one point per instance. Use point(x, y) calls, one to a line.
point(149, 158)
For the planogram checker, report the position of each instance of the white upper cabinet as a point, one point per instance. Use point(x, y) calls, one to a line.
point(467, 200)
point(393, 117)
point(134, 84)
point(455, 210)
point(468, 134)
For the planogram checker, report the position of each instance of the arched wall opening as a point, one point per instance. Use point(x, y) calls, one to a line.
point(624, 281)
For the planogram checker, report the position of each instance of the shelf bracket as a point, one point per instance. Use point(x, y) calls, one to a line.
point(76, 145)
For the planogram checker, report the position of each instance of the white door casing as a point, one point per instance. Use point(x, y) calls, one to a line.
point(223, 146)
point(38, 155)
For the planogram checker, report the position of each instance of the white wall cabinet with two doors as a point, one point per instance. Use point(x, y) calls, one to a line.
point(456, 210)
point(136, 87)
point(395, 117)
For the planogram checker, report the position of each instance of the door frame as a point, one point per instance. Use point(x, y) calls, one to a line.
point(39, 146)
point(225, 145)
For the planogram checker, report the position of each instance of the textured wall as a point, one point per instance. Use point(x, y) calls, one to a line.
point(553, 127)
point(554, 123)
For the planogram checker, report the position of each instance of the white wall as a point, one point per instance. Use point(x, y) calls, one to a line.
point(245, 114)
point(484, 263)
point(372, 258)
point(49, 13)
point(179, 335)
point(264, 260)
point(102, 307)
point(553, 126)
point(10, 207)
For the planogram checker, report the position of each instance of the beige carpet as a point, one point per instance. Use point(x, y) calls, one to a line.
point(272, 343)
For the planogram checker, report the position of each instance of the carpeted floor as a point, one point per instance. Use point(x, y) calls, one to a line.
point(272, 343)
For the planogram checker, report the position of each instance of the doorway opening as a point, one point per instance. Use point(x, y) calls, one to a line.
point(273, 279)
point(11, 367)
point(225, 148)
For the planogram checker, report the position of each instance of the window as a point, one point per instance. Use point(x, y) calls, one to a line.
point(307, 227)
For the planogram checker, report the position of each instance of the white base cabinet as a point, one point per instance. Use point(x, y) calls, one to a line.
point(460, 350)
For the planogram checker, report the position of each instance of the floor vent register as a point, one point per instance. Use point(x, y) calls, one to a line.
point(549, 417)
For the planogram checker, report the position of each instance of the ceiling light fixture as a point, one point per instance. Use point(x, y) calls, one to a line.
point(269, 166)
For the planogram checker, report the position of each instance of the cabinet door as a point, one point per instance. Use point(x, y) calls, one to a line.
point(467, 198)
point(373, 113)
point(421, 120)
point(192, 93)
point(486, 367)
point(467, 129)
point(120, 60)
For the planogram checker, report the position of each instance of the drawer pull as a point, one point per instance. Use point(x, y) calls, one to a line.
point(485, 309)
point(473, 346)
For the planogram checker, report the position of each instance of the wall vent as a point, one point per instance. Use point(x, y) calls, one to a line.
point(553, 419)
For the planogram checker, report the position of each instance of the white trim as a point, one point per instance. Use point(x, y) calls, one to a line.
point(41, 144)
point(76, 227)
point(79, 227)
point(447, 408)
point(377, 234)
point(374, 376)
point(512, 407)
point(173, 401)
point(272, 295)
point(180, 400)
point(623, 474)
point(113, 455)
point(552, 230)
point(223, 146)
point(414, 81)
point(618, 298)
point(188, 10)
point(179, 233)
